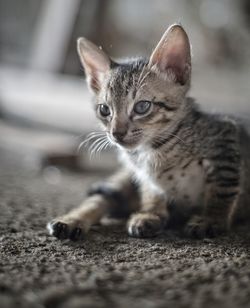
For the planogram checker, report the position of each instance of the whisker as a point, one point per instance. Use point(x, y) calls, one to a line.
point(170, 134)
point(83, 143)
point(144, 78)
point(162, 137)
point(94, 135)
point(143, 85)
point(103, 146)
point(80, 137)
point(95, 143)
point(160, 140)
point(89, 139)
point(97, 148)
point(109, 144)
point(141, 76)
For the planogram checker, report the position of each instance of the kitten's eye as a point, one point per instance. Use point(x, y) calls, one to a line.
point(142, 107)
point(104, 110)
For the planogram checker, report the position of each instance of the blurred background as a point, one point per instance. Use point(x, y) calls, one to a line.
point(44, 103)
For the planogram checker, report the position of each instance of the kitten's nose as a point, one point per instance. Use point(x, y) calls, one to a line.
point(119, 135)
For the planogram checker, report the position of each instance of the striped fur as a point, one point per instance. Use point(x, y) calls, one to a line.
point(178, 161)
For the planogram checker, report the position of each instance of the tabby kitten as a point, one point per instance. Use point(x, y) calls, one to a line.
point(179, 165)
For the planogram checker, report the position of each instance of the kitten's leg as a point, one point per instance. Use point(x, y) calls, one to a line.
point(118, 196)
point(152, 217)
point(222, 191)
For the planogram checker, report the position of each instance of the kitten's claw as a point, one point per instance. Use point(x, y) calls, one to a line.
point(199, 228)
point(145, 225)
point(63, 230)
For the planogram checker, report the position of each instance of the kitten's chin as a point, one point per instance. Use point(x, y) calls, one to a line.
point(127, 145)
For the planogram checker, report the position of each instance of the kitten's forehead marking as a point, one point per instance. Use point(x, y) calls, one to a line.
point(123, 80)
point(122, 85)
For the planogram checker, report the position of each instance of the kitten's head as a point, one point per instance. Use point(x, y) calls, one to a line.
point(137, 100)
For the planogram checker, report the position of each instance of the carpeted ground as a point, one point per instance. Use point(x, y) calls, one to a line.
point(108, 269)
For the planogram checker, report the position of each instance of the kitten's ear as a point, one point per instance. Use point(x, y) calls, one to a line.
point(95, 62)
point(172, 55)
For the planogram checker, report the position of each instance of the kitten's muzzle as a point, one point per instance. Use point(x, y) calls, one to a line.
point(119, 135)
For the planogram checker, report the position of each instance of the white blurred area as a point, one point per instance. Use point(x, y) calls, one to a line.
point(41, 81)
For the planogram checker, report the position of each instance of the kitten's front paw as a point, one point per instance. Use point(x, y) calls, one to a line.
point(199, 227)
point(66, 229)
point(145, 225)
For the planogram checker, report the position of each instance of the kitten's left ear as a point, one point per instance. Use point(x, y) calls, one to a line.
point(95, 62)
point(172, 55)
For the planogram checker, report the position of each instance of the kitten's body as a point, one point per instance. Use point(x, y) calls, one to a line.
point(179, 162)
point(208, 148)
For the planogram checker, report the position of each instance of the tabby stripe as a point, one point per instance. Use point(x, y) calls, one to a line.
point(227, 178)
point(227, 195)
point(226, 141)
point(232, 158)
point(160, 143)
point(187, 164)
point(229, 131)
point(164, 106)
point(228, 183)
point(220, 178)
point(224, 148)
point(218, 173)
point(165, 170)
point(227, 168)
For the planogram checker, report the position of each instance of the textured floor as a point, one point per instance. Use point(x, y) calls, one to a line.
point(108, 269)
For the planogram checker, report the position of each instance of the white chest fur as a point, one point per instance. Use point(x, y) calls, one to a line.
point(144, 168)
point(184, 185)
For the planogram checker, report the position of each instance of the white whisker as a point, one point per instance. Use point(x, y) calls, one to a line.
point(98, 145)
point(95, 143)
point(103, 145)
point(90, 137)
point(144, 78)
point(142, 72)
point(108, 145)
point(161, 138)
point(96, 149)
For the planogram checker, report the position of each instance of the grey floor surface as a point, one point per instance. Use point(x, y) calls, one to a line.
point(107, 269)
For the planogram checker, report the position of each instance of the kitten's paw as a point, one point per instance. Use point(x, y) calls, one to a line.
point(145, 225)
point(199, 227)
point(66, 229)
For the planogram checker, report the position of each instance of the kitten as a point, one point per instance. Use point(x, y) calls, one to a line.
point(179, 165)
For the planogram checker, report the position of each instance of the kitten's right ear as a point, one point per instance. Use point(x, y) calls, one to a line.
point(95, 62)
